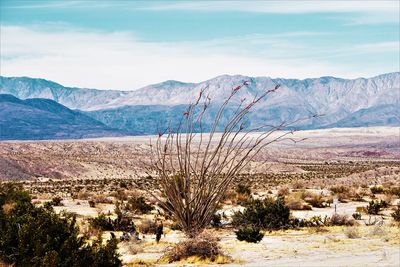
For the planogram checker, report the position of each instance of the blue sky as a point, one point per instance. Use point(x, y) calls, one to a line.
point(130, 44)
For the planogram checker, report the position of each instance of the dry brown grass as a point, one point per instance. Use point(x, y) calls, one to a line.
point(202, 249)
point(352, 232)
point(147, 226)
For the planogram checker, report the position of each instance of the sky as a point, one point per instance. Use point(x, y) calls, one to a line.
point(126, 45)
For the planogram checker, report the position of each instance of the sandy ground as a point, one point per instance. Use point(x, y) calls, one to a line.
point(326, 246)
point(293, 248)
point(109, 158)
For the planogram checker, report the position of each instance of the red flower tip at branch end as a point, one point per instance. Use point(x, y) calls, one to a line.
point(245, 83)
point(237, 88)
point(186, 113)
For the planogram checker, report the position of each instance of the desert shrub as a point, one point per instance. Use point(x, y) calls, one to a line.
point(105, 223)
point(338, 219)
point(283, 191)
point(297, 204)
point(102, 222)
point(344, 193)
point(147, 226)
point(395, 190)
point(123, 184)
point(249, 234)
point(102, 199)
point(339, 189)
point(374, 207)
point(268, 213)
point(134, 248)
point(175, 226)
point(56, 201)
point(48, 205)
point(243, 189)
point(83, 194)
point(352, 232)
point(92, 204)
point(396, 214)
point(378, 230)
point(120, 194)
point(216, 220)
point(139, 205)
point(35, 236)
point(315, 200)
point(316, 221)
point(360, 194)
point(298, 184)
point(123, 222)
point(204, 247)
point(356, 216)
point(377, 190)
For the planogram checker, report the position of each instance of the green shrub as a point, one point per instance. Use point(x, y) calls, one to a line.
point(139, 205)
point(216, 220)
point(374, 207)
point(396, 214)
point(175, 227)
point(243, 189)
point(92, 204)
point(395, 190)
point(249, 234)
point(268, 213)
point(356, 216)
point(105, 223)
point(339, 189)
point(377, 190)
point(34, 236)
point(56, 201)
point(102, 222)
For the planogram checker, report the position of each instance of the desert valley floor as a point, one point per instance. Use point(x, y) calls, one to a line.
point(353, 165)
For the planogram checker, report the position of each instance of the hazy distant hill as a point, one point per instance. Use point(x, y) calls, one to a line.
point(345, 102)
point(45, 119)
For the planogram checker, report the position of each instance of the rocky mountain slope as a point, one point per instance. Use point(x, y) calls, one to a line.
point(37, 119)
point(344, 102)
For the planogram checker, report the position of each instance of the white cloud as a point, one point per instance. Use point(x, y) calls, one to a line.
point(309, 6)
point(121, 61)
point(366, 12)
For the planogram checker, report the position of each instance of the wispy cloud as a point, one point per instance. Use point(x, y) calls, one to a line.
point(364, 12)
point(119, 60)
point(307, 6)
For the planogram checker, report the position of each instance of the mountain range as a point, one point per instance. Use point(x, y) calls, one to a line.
point(38, 118)
point(344, 102)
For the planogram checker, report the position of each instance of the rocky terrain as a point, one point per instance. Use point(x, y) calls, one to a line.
point(344, 103)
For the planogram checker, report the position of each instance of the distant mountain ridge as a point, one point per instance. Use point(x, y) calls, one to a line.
point(345, 102)
point(38, 119)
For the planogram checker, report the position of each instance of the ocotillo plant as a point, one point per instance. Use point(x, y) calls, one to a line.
point(195, 169)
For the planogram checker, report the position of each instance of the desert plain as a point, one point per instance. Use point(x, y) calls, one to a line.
point(330, 171)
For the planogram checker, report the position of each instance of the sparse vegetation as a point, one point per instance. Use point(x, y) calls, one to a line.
point(396, 214)
point(352, 232)
point(267, 214)
point(339, 219)
point(249, 234)
point(377, 190)
point(139, 205)
point(374, 207)
point(204, 247)
point(32, 236)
